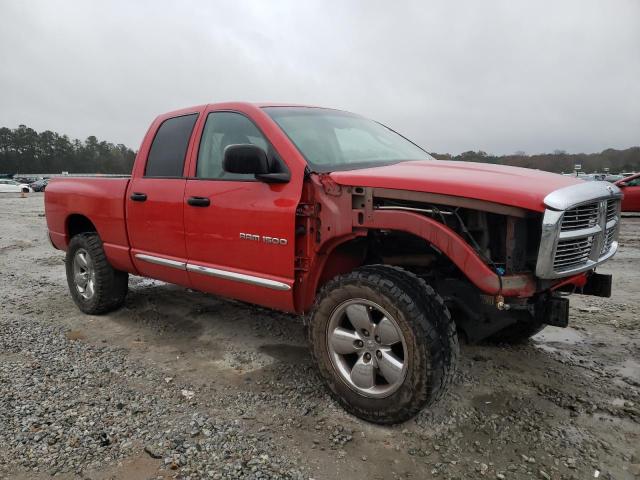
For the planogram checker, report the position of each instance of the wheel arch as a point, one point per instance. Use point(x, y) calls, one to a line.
point(342, 255)
point(77, 223)
point(456, 249)
point(338, 255)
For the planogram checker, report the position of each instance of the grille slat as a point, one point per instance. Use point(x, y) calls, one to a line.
point(570, 253)
point(574, 258)
point(612, 210)
point(577, 218)
point(563, 256)
point(608, 242)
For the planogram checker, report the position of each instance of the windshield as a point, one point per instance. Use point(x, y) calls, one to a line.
point(335, 140)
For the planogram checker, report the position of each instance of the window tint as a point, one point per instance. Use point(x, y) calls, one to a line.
point(221, 130)
point(169, 147)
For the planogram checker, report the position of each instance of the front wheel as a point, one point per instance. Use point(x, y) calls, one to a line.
point(384, 342)
point(95, 286)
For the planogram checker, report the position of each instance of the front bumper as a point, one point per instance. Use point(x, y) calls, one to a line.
point(595, 284)
point(553, 310)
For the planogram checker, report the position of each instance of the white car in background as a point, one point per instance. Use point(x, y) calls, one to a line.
point(13, 186)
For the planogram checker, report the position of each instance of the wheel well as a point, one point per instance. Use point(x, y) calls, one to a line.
point(387, 247)
point(77, 224)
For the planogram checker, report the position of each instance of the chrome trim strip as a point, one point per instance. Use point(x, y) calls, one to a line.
point(548, 242)
point(165, 262)
point(412, 209)
point(215, 272)
point(583, 232)
point(598, 240)
point(585, 192)
point(238, 277)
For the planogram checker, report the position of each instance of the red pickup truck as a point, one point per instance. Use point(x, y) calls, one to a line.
point(389, 254)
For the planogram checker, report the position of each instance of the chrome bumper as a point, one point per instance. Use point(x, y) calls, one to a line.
point(579, 229)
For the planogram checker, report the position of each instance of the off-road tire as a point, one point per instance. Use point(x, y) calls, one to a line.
point(111, 285)
point(517, 333)
point(425, 322)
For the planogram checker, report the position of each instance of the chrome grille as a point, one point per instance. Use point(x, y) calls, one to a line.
point(609, 239)
point(613, 210)
point(611, 228)
point(572, 253)
point(577, 218)
point(579, 229)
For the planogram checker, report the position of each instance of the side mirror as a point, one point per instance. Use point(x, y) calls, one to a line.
point(245, 158)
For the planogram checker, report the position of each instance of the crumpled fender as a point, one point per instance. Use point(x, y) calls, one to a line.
point(455, 248)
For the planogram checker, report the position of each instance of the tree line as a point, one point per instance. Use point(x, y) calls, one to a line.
point(627, 160)
point(25, 151)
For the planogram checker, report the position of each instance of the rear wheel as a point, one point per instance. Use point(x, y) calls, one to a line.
point(384, 343)
point(95, 286)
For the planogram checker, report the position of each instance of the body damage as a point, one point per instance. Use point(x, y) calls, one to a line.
point(499, 184)
point(476, 221)
point(388, 264)
point(320, 256)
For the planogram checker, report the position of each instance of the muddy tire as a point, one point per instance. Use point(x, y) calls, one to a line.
point(95, 286)
point(516, 334)
point(384, 343)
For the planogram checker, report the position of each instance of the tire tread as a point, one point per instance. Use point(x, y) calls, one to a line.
point(430, 319)
point(111, 284)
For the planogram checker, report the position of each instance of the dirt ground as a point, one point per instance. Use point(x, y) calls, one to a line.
point(567, 405)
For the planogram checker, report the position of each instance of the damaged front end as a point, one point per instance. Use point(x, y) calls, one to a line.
point(530, 261)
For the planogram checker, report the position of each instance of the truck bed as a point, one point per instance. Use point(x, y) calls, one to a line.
point(99, 198)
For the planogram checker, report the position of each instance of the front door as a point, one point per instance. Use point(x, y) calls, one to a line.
point(154, 203)
point(239, 231)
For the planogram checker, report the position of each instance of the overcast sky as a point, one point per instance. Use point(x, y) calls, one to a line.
point(500, 76)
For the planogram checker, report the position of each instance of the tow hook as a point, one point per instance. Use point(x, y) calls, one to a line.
point(500, 303)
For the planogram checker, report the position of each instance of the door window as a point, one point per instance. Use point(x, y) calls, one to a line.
point(634, 183)
point(221, 130)
point(169, 147)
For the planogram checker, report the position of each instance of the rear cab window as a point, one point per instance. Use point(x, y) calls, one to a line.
point(169, 148)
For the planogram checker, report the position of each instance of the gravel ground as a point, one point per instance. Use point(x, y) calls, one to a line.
point(178, 384)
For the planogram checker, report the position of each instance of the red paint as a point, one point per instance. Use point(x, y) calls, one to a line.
point(99, 199)
point(579, 280)
point(630, 187)
point(458, 251)
point(514, 186)
point(312, 212)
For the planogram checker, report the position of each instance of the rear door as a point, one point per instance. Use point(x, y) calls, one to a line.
point(239, 231)
point(154, 203)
